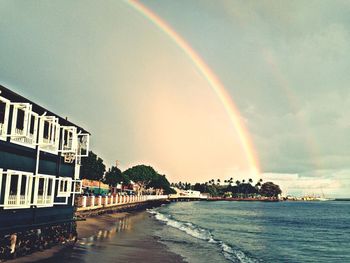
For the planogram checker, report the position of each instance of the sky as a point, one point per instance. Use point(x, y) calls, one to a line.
point(108, 68)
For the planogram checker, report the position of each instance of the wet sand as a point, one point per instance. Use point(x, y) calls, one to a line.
point(118, 237)
point(92, 225)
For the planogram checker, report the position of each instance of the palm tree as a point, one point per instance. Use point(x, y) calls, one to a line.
point(238, 182)
point(225, 181)
point(250, 180)
point(231, 181)
point(218, 181)
point(243, 181)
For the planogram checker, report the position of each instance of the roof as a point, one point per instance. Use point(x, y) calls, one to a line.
point(14, 97)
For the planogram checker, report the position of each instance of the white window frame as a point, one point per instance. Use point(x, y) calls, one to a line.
point(70, 145)
point(47, 198)
point(81, 145)
point(77, 169)
point(24, 137)
point(64, 180)
point(52, 143)
point(77, 183)
point(1, 178)
point(4, 126)
point(18, 201)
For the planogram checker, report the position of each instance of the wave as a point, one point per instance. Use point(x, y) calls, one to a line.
point(230, 253)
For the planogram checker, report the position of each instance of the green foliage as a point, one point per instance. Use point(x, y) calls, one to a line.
point(114, 176)
point(147, 177)
point(243, 189)
point(160, 182)
point(92, 167)
point(239, 189)
point(141, 174)
point(270, 189)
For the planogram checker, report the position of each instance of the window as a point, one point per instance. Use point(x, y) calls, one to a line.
point(4, 116)
point(24, 124)
point(0, 181)
point(44, 190)
point(18, 189)
point(69, 141)
point(83, 144)
point(77, 187)
point(49, 133)
point(64, 187)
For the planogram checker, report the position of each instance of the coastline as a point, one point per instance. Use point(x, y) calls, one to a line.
point(123, 237)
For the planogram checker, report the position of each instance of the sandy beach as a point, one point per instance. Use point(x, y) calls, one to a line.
point(119, 237)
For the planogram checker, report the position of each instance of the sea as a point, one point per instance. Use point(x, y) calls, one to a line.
point(223, 231)
point(228, 231)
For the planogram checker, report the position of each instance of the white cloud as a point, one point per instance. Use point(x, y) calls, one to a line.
point(327, 183)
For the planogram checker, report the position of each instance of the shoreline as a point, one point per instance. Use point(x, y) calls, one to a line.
point(130, 234)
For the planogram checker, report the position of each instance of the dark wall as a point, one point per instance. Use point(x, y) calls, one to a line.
point(17, 157)
point(12, 220)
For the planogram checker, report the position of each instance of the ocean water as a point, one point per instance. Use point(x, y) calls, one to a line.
point(227, 231)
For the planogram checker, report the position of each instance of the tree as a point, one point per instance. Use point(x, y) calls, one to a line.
point(250, 180)
point(114, 176)
point(92, 167)
point(270, 189)
point(146, 176)
point(160, 182)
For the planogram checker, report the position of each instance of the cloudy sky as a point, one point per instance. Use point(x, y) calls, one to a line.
point(285, 65)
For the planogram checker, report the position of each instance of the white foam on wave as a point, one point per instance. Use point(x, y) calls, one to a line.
point(195, 231)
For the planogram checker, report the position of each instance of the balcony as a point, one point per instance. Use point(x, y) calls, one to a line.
point(49, 145)
point(19, 136)
point(42, 200)
point(15, 200)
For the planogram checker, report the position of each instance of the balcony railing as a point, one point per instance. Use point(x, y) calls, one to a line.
point(69, 145)
point(42, 200)
point(2, 129)
point(14, 201)
point(20, 137)
point(49, 145)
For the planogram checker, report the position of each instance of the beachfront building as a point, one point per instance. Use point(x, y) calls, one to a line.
point(40, 156)
point(93, 187)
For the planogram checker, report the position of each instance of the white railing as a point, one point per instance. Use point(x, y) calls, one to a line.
point(42, 200)
point(156, 197)
point(2, 129)
point(20, 137)
point(49, 145)
point(46, 141)
point(69, 145)
point(93, 202)
point(12, 200)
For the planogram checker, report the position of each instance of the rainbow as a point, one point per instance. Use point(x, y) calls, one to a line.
point(211, 78)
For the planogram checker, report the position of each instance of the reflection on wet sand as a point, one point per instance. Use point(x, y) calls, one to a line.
point(122, 224)
point(117, 237)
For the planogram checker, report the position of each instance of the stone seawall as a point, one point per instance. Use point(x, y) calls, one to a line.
point(26, 242)
point(83, 213)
